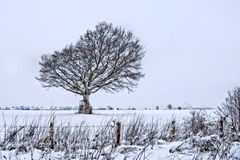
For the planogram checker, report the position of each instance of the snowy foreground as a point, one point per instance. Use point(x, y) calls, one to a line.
point(168, 141)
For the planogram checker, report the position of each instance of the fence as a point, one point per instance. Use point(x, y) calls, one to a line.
point(57, 137)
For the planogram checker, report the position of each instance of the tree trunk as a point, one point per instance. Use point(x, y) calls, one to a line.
point(85, 107)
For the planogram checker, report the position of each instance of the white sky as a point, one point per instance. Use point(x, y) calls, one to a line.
point(193, 48)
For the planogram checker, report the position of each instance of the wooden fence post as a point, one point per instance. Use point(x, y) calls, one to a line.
point(193, 123)
point(51, 135)
point(221, 127)
point(117, 134)
point(173, 130)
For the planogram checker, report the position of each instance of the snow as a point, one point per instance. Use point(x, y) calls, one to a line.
point(99, 117)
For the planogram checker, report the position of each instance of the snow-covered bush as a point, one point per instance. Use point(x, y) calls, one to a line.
point(198, 122)
point(230, 110)
point(170, 131)
point(207, 147)
point(139, 132)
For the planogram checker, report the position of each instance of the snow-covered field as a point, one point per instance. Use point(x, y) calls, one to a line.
point(159, 151)
point(100, 117)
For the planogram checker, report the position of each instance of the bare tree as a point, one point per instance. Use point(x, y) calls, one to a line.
point(231, 109)
point(107, 58)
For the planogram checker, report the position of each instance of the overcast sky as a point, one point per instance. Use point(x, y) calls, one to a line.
point(193, 48)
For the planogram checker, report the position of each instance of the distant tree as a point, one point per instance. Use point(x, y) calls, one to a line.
point(110, 108)
point(169, 106)
point(107, 58)
point(230, 109)
point(157, 108)
point(179, 108)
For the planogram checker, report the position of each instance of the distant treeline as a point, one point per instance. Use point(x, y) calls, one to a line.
point(38, 108)
point(99, 108)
